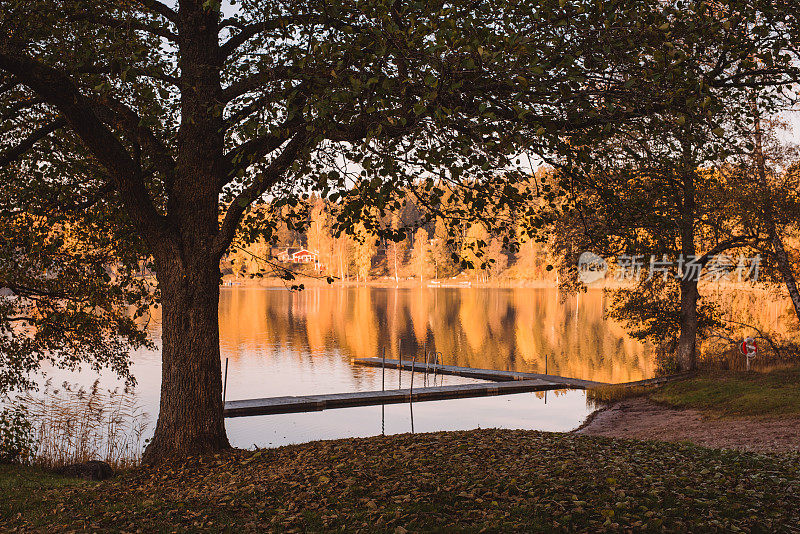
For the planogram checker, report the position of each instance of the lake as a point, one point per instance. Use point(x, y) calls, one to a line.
point(280, 342)
point(294, 343)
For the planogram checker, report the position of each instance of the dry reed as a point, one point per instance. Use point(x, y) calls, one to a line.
point(75, 425)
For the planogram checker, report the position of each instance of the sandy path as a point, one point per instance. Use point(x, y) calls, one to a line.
point(641, 418)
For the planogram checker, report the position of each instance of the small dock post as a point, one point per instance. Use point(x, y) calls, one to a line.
point(225, 382)
point(400, 369)
point(383, 388)
point(425, 354)
point(411, 392)
point(413, 366)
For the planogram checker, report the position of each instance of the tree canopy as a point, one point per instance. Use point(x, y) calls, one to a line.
point(138, 129)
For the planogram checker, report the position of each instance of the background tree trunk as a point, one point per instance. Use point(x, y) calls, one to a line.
point(779, 251)
point(687, 341)
point(190, 418)
point(785, 267)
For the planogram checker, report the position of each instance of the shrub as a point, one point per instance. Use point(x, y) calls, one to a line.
point(17, 439)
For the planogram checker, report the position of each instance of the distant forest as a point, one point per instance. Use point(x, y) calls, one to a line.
point(433, 248)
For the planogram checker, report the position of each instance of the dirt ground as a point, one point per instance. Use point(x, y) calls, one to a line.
point(641, 418)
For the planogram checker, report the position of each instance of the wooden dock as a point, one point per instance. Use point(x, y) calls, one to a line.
point(482, 374)
point(498, 383)
point(311, 403)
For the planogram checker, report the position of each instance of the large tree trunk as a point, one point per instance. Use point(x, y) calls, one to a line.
point(190, 419)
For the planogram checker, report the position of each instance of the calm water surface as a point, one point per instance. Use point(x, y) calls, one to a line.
point(299, 343)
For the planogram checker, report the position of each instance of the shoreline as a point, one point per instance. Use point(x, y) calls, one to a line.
point(466, 283)
point(643, 419)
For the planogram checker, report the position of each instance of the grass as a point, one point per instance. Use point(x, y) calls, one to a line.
point(483, 480)
point(771, 393)
point(736, 393)
point(605, 395)
point(23, 478)
point(23, 484)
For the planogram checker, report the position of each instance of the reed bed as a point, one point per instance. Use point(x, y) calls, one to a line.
point(73, 425)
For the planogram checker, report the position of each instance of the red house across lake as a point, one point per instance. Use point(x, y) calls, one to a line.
point(297, 255)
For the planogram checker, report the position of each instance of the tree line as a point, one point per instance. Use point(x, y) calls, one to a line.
point(430, 247)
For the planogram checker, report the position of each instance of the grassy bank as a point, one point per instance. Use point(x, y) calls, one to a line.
point(736, 393)
point(772, 393)
point(471, 481)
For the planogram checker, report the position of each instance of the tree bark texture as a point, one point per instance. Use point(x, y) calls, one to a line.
point(190, 417)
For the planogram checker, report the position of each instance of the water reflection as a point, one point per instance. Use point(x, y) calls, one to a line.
point(508, 329)
point(563, 412)
point(289, 343)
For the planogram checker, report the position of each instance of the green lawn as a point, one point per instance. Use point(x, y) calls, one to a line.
point(30, 479)
point(21, 487)
point(492, 480)
point(736, 393)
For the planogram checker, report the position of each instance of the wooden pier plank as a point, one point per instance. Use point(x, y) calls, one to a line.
point(310, 403)
point(482, 374)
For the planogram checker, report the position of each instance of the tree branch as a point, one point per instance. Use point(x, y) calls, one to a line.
point(127, 119)
point(251, 30)
point(57, 89)
point(248, 153)
point(160, 9)
point(734, 242)
point(253, 82)
point(10, 84)
point(260, 185)
point(40, 133)
point(244, 112)
point(111, 69)
point(11, 110)
point(111, 22)
point(98, 195)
